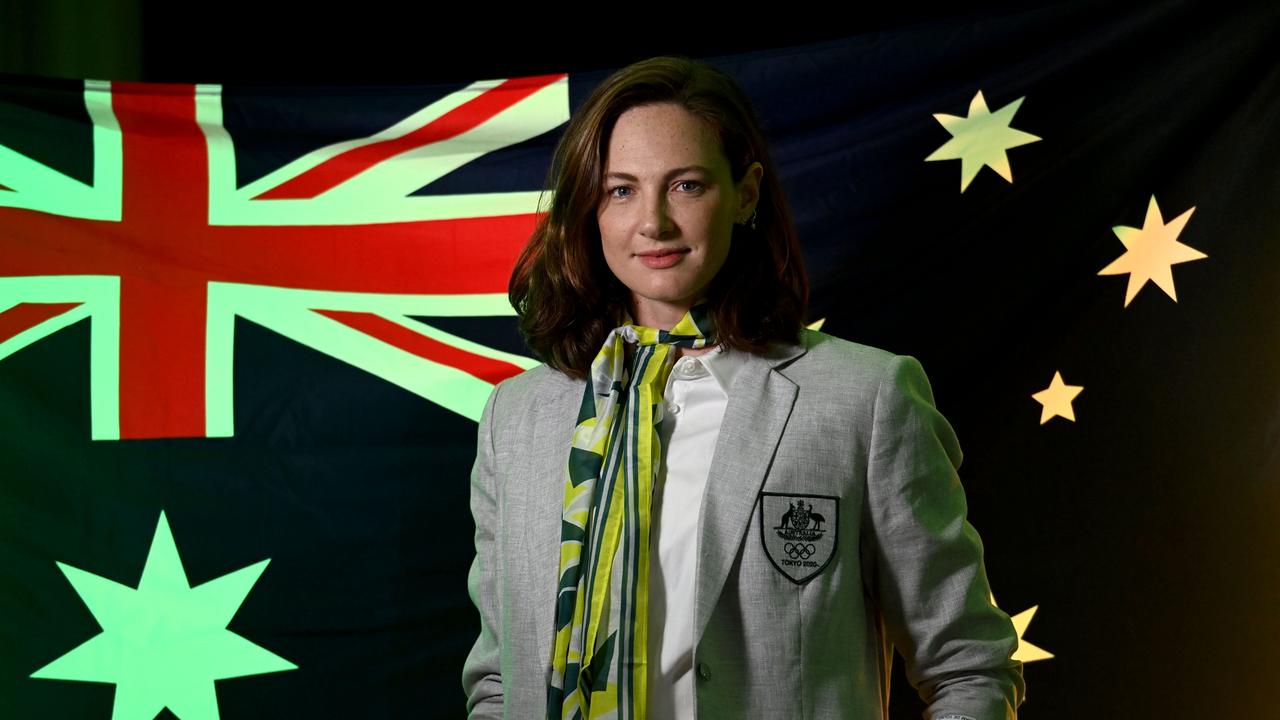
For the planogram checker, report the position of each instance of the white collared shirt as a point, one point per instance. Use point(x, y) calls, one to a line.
point(696, 395)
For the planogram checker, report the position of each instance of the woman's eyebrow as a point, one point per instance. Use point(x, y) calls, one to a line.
point(670, 173)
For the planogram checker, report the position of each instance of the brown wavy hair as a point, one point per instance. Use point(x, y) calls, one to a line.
point(564, 293)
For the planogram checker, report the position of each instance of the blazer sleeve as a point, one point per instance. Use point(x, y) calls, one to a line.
point(481, 672)
point(931, 583)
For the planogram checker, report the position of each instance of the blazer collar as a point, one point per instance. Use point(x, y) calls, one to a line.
point(754, 418)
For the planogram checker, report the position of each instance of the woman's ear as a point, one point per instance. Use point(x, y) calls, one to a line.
point(749, 191)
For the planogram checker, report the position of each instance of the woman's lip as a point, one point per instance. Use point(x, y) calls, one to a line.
point(662, 253)
point(663, 261)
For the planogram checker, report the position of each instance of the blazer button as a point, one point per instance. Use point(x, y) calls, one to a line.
point(704, 671)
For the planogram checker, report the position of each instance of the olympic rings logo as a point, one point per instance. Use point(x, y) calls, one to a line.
point(800, 551)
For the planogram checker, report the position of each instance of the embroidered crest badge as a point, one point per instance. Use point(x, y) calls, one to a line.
point(799, 532)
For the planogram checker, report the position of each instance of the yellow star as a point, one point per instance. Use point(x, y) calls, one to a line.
point(981, 139)
point(1151, 252)
point(1057, 398)
point(1026, 652)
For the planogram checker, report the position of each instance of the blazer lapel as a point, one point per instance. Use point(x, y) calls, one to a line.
point(759, 404)
point(559, 399)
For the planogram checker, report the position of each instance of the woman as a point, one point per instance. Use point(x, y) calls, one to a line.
point(698, 505)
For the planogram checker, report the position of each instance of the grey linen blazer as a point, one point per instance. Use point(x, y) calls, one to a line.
point(848, 431)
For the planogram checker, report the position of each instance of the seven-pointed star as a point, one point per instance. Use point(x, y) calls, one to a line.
point(981, 139)
point(1057, 398)
point(165, 643)
point(1151, 252)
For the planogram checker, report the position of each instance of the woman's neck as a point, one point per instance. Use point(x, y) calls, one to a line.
point(694, 352)
point(680, 351)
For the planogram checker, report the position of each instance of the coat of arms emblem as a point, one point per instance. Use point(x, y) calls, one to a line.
point(799, 532)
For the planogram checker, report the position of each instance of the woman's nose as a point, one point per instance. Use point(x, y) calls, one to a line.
point(657, 218)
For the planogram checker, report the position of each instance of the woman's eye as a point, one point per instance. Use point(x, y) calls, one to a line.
point(614, 190)
point(694, 183)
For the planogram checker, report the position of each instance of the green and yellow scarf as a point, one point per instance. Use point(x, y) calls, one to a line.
point(599, 664)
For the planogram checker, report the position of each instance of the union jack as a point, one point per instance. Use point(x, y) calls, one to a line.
point(335, 248)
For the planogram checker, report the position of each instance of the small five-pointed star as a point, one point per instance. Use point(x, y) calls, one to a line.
point(1056, 399)
point(164, 643)
point(981, 139)
point(1152, 251)
point(1026, 652)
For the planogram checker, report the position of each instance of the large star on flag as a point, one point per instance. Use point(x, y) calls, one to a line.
point(981, 139)
point(1056, 399)
point(1151, 252)
point(164, 643)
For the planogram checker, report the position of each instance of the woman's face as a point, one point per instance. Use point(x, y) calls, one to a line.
point(668, 189)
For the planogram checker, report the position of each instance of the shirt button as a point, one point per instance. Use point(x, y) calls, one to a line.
point(704, 671)
point(673, 408)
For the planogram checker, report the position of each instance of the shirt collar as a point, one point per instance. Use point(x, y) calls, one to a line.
point(723, 364)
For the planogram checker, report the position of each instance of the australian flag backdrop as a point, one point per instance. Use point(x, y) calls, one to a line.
point(246, 333)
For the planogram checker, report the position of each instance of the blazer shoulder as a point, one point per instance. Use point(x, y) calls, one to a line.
point(523, 389)
point(838, 375)
point(828, 354)
point(867, 369)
